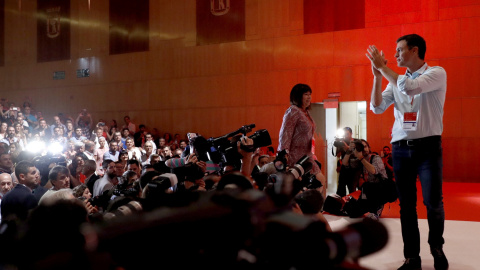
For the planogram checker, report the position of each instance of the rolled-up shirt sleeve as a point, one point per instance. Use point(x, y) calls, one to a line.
point(387, 100)
point(432, 79)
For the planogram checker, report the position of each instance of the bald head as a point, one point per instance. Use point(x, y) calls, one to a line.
point(6, 183)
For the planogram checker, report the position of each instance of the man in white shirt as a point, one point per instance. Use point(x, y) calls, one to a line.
point(418, 98)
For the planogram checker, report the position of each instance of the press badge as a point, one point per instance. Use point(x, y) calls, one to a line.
point(410, 121)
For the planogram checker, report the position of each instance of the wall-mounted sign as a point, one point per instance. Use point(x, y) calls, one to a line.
point(59, 75)
point(330, 103)
point(334, 94)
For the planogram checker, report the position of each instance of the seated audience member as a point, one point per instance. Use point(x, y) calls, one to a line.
point(59, 177)
point(17, 203)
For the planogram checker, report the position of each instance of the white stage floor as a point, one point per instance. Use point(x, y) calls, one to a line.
point(462, 244)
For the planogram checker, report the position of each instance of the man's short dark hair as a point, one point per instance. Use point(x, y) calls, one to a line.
point(105, 163)
point(53, 174)
point(22, 168)
point(310, 201)
point(134, 162)
point(414, 40)
point(348, 129)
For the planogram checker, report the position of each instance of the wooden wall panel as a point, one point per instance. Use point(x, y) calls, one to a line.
point(178, 87)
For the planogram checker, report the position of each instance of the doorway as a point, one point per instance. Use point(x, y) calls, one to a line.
point(351, 114)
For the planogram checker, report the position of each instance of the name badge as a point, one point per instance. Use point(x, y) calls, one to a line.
point(410, 121)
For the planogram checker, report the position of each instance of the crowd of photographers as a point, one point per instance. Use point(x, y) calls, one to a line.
point(66, 190)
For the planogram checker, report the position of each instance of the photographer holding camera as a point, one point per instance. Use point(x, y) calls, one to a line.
point(298, 129)
point(350, 168)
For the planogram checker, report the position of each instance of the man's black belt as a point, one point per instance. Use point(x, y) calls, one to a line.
point(419, 141)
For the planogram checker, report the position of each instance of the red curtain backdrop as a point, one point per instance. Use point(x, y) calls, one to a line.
point(333, 15)
point(53, 30)
point(129, 26)
point(220, 21)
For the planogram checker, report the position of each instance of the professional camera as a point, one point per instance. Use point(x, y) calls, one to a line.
point(163, 182)
point(310, 181)
point(126, 189)
point(223, 150)
point(282, 185)
point(233, 223)
point(339, 142)
point(280, 161)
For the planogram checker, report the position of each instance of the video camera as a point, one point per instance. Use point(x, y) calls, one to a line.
point(223, 150)
point(233, 224)
point(286, 182)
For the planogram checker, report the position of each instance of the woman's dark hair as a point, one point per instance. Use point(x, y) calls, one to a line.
point(169, 139)
point(78, 190)
point(369, 149)
point(296, 95)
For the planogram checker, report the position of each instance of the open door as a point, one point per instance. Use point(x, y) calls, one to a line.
point(328, 121)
